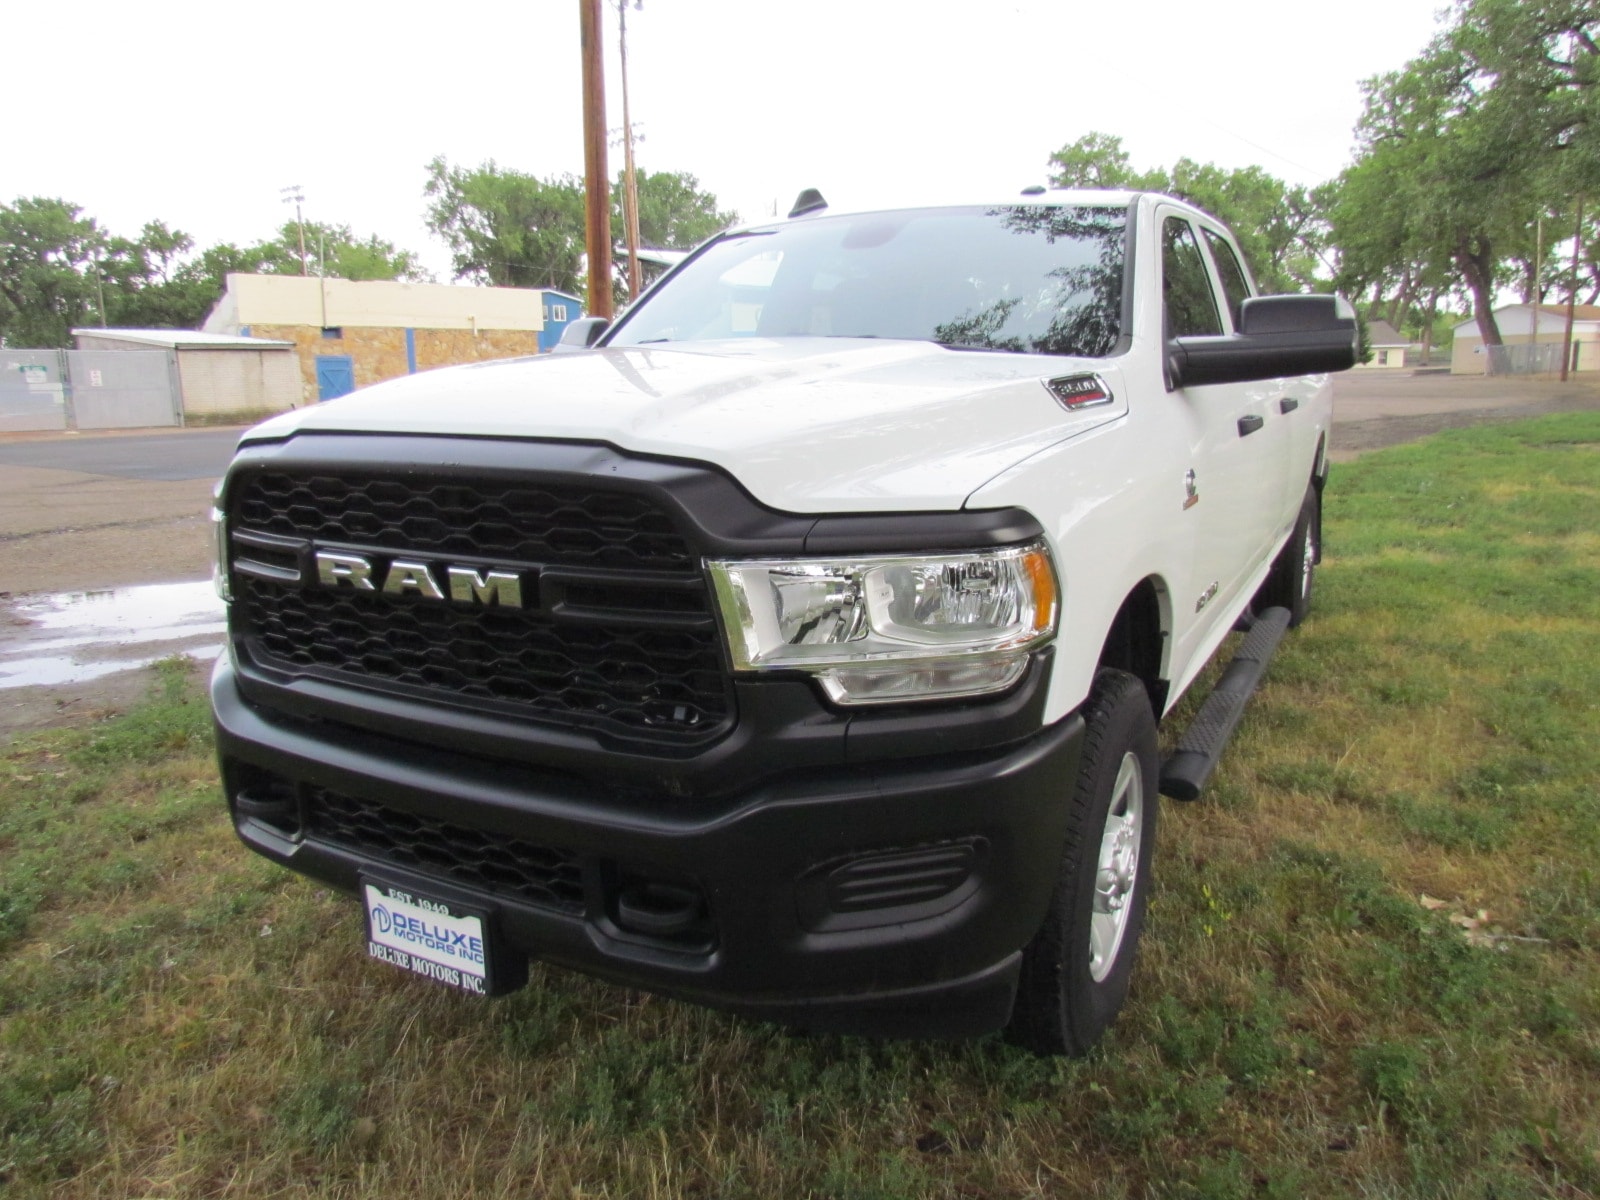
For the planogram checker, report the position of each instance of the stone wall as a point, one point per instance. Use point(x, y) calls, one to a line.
point(378, 354)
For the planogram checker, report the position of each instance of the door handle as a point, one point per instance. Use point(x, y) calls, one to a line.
point(1288, 405)
point(1248, 425)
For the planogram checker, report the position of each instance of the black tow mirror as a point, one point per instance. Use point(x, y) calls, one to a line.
point(581, 334)
point(1278, 335)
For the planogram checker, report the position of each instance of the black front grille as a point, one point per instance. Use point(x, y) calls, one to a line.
point(661, 681)
point(540, 523)
point(489, 862)
point(619, 639)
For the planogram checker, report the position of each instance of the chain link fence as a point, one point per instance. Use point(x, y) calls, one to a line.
point(1533, 358)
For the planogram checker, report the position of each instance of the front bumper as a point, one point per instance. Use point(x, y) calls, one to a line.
point(890, 898)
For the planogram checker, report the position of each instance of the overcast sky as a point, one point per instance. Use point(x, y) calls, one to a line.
point(199, 113)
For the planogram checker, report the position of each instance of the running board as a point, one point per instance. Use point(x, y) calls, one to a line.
point(1202, 744)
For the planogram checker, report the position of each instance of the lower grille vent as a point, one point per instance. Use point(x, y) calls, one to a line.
point(494, 863)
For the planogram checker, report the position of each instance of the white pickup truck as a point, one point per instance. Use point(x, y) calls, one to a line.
point(797, 647)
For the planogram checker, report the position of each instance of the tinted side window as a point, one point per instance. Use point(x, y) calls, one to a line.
point(1230, 272)
point(1191, 306)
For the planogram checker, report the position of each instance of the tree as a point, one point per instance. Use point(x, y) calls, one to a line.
point(59, 270)
point(1097, 160)
point(336, 252)
point(507, 228)
point(1281, 230)
point(1496, 122)
point(48, 252)
point(510, 229)
point(674, 214)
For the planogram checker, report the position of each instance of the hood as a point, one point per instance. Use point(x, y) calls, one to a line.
point(807, 425)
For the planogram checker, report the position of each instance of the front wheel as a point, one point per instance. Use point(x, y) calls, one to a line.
point(1075, 972)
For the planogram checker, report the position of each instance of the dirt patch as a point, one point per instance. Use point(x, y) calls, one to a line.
point(1377, 409)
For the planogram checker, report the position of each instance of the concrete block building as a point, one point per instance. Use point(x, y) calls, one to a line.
point(348, 334)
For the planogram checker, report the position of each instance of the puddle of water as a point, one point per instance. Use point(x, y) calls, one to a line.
point(74, 637)
point(49, 672)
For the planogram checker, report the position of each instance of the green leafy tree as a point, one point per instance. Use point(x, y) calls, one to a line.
point(48, 284)
point(59, 270)
point(336, 251)
point(1496, 122)
point(511, 229)
point(1281, 229)
point(674, 213)
point(507, 228)
point(1097, 160)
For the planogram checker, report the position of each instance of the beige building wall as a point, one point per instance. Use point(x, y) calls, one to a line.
point(238, 383)
point(1385, 356)
point(369, 319)
point(263, 300)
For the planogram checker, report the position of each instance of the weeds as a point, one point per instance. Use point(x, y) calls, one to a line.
point(178, 1018)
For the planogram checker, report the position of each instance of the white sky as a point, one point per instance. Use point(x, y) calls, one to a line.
point(198, 113)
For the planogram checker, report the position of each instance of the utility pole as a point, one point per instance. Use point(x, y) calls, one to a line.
point(1572, 294)
point(293, 195)
point(630, 186)
point(1538, 285)
point(100, 290)
point(597, 187)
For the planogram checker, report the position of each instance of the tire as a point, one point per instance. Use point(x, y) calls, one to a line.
point(1075, 971)
point(1290, 583)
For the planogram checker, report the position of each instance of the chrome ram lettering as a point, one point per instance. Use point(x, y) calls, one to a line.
point(411, 577)
point(487, 587)
point(336, 569)
point(468, 585)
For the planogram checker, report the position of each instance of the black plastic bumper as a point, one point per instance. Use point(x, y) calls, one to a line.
point(891, 898)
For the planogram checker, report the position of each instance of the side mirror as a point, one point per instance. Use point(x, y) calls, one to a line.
point(581, 334)
point(1278, 335)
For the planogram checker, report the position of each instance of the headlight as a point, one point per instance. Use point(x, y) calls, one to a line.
point(881, 629)
point(219, 547)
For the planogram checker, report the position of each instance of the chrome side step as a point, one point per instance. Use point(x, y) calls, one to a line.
point(1185, 772)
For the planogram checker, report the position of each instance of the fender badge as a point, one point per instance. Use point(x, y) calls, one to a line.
point(1191, 490)
point(1079, 391)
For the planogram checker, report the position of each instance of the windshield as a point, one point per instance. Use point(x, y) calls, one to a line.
point(1027, 278)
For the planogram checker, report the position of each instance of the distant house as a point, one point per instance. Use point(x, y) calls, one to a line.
point(560, 310)
point(348, 334)
point(1520, 325)
point(1388, 347)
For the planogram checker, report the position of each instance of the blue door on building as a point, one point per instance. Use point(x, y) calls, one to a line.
point(336, 376)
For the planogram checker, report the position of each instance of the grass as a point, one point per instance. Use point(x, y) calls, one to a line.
point(181, 1019)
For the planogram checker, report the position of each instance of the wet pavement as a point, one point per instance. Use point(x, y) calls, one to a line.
point(48, 640)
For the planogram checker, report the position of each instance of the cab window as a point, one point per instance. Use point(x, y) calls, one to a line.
point(1234, 284)
point(1191, 307)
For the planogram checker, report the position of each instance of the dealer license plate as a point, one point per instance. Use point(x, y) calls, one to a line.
point(436, 939)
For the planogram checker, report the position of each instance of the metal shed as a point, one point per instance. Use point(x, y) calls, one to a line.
point(218, 378)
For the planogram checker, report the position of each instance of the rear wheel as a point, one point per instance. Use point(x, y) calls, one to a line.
point(1075, 972)
point(1294, 571)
